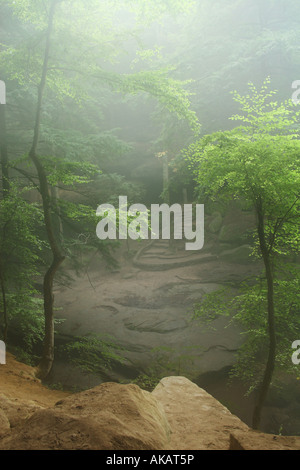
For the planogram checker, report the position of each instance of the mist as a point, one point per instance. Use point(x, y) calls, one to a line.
point(189, 112)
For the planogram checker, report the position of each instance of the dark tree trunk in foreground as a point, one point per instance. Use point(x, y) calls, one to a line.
point(267, 378)
point(4, 304)
point(48, 351)
point(3, 151)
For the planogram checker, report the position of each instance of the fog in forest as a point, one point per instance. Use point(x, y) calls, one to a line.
point(149, 207)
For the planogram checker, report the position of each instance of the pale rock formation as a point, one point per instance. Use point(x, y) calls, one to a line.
point(177, 415)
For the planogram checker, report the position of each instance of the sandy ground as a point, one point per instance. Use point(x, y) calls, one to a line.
point(17, 381)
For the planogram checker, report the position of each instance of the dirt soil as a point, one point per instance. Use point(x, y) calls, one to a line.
point(17, 382)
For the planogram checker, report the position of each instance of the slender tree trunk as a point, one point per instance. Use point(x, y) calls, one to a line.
point(57, 219)
point(48, 351)
point(5, 192)
point(5, 320)
point(3, 151)
point(267, 378)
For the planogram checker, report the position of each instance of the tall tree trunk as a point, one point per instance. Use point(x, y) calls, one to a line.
point(4, 304)
point(3, 151)
point(48, 351)
point(267, 378)
point(57, 219)
point(5, 192)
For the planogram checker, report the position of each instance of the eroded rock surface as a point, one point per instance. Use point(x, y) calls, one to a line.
point(177, 415)
point(197, 420)
point(108, 417)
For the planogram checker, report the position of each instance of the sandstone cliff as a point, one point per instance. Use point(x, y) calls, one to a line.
point(177, 415)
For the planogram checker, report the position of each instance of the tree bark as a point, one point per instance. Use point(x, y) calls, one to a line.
point(268, 374)
point(57, 219)
point(5, 192)
point(5, 320)
point(3, 151)
point(48, 351)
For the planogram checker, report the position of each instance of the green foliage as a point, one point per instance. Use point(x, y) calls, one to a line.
point(108, 187)
point(81, 242)
point(256, 162)
point(18, 243)
point(83, 71)
point(165, 362)
point(68, 172)
point(92, 43)
point(26, 319)
point(20, 250)
point(259, 163)
point(94, 354)
point(168, 91)
point(83, 146)
point(56, 386)
point(247, 310)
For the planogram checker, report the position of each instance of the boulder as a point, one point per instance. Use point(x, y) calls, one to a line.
point(177, 415)
point(108, 417)
point(197, 420)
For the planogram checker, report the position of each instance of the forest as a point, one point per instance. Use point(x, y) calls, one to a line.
point(149, 206)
